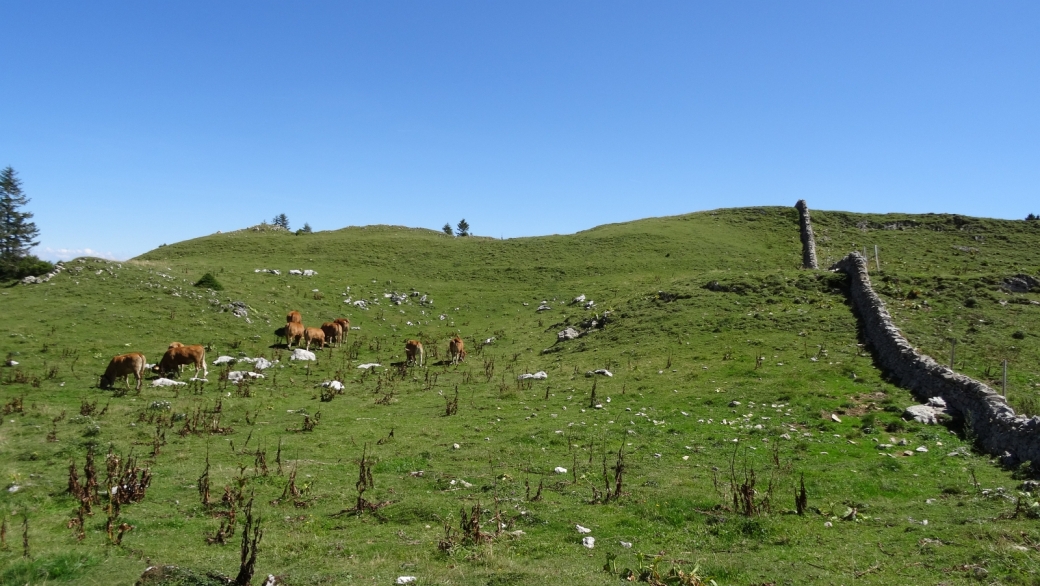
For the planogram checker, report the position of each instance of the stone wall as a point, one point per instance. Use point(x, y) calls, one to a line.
point(808, 239)
point(999, 431)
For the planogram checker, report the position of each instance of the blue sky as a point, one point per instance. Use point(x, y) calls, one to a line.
point(140, 123)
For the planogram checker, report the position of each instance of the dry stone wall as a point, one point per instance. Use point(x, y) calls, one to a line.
point(999, 431)
point(808, 239)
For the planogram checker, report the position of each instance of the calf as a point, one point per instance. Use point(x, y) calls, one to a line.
point(314, 335)
point(413, 348)
point(333, 332)
point(123, 366)
point(456, 350)
point(178, 355)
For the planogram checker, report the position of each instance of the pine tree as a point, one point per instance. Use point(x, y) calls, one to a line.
point(281, 220)
point(17, 233)
point(463, 227)
point(305, 230)
point(447, 229)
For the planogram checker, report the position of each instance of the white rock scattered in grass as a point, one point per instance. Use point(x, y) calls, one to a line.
point(560, 470)
point(13, 488)
point(465, 484)
point(583, 530)
point(301, 354)
point(626, 544)
point(921, 449)
point(828, 524)
point(455, 446)
point(237, 376)
point(333, 384)
point(194, 379)
point(224, 360)
point(165, 382)
point(835, 418)
point(12, 363)
point(368, 365)
point(540, 375)
point(405, 580)
point(589, 542)
point(685, 457)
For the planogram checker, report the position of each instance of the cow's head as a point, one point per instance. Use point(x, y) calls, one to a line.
point(105, 382)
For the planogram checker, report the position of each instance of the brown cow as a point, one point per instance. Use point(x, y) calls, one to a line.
point(345, 324)
point(292, 332)
point(314, 335)
point(293, 318)
point(178, 355)
point(456, 350)
point(123, 366)
point(333, 332)
point(411, 349)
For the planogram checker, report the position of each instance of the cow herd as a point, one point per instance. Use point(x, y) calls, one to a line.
point(178, 355)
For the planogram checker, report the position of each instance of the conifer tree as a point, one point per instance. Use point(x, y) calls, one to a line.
point(17, 233)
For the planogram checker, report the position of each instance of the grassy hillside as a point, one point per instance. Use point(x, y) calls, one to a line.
point(763, 377)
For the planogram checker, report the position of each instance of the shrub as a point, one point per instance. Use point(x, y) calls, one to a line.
point(26, 266)
point(209, 282)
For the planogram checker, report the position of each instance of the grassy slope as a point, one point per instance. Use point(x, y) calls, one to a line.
point(693, 355)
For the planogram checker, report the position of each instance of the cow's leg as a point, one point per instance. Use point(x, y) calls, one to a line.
point(420, 356)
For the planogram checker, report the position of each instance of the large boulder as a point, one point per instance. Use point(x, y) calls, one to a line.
point(567, 334)
point(928, 414)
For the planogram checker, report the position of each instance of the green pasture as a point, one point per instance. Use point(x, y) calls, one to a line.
point(763, 378)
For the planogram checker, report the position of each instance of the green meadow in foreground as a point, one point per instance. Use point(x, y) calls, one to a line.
point(723, 403)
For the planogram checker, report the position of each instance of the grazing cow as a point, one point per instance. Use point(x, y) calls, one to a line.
point(123, 366)
point(314, 335)
point(456, 350)
point(411, 349)
point(293, 318)
point(333, 332)
point(292, 332)
point(178, 355)
point(343, 323)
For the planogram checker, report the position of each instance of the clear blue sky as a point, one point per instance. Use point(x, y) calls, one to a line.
point(137, 123)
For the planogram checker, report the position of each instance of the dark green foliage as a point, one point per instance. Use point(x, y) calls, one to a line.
point(26, 266)
point(208, 281)
point(17, 233)
point(463, 227)
point(447, 229)
point(305, 230)
point(281, 220)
